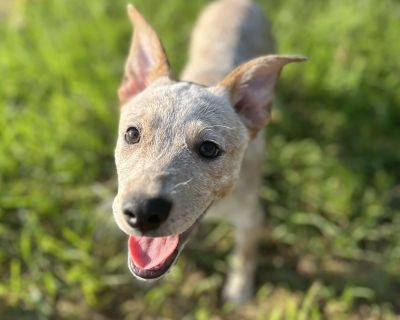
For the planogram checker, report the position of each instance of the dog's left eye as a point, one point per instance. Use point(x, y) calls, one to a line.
point(209, 150)
point(132, 135)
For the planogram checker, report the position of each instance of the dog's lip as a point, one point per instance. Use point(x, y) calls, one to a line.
point(158, 271)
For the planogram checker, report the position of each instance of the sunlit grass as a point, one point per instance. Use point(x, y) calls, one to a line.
point(332, 233)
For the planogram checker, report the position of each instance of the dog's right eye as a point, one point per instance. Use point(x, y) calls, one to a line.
point(132, 135)
point(209, 150)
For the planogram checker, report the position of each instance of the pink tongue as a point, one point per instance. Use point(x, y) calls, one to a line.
point(147, 252)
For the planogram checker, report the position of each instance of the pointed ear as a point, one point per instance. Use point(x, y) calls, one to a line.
point(251, 88)
point(146, 61)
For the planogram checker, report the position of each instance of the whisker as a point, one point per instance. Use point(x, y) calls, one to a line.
point(173, 190)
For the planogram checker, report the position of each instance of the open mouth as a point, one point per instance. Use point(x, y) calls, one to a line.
point(150, 258)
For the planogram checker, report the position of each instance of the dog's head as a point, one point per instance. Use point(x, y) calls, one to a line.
point(180, 145)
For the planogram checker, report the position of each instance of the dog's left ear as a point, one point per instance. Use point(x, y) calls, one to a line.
point(147, 60)
point(251, 88)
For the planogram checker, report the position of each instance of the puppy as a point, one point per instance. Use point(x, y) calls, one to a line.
point(196, 145)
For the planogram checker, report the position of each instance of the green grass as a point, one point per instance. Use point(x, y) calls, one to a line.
point(332, 192)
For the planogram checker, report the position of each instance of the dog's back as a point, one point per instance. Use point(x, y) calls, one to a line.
point(228, 33)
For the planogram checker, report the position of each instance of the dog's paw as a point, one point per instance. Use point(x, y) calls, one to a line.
point(238, 289)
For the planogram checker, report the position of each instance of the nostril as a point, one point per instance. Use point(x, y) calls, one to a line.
point(130, 215)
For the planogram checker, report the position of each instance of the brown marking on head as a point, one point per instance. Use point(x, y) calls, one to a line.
point(251, 88)
point(147, 60)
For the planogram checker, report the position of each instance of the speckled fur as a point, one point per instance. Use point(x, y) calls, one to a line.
point(209, 104)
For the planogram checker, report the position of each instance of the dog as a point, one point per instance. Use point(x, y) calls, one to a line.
point(196, 145)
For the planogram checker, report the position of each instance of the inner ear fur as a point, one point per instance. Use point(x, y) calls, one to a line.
point(251, 88)
point(147, 60)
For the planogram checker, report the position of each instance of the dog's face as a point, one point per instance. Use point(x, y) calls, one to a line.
point(188, 150)
point(180, 146)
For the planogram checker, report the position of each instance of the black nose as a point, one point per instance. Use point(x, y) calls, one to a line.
point(148, 214)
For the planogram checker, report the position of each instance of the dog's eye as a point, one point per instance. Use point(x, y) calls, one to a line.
point(132, 135)
point(209, 150)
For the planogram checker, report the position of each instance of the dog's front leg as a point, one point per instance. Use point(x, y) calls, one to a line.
point(239, 285)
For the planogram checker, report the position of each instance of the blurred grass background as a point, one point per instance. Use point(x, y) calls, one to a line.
point(332, 177)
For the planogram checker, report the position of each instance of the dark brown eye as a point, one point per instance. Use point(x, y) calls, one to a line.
point(209, 150)
point(132, 135)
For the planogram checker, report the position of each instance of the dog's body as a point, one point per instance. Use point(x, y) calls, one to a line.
point(185, 147)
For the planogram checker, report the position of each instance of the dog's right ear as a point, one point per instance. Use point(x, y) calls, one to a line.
point(146, 61)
